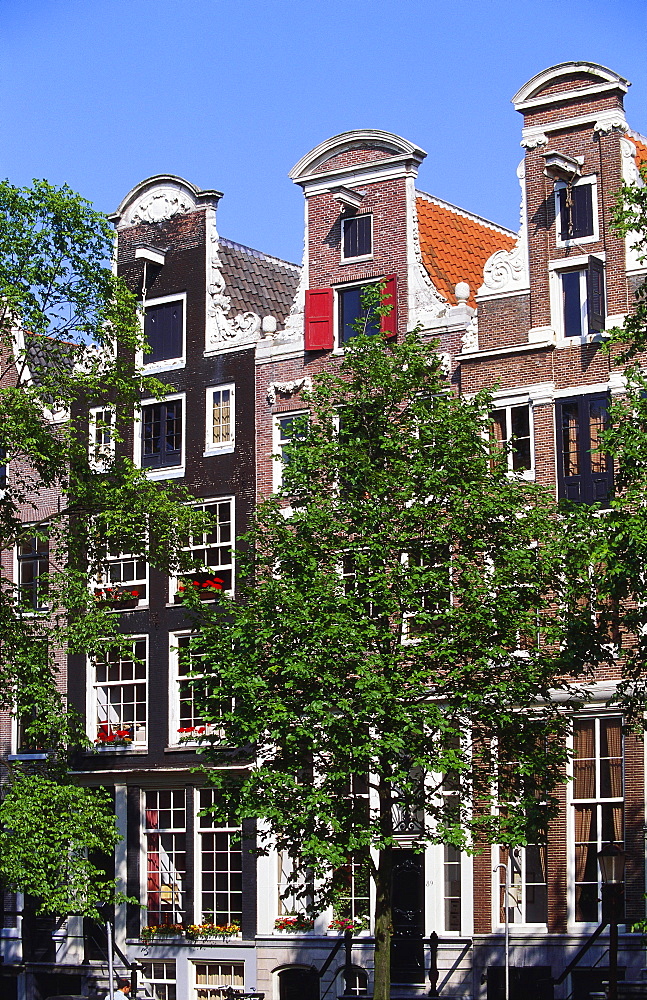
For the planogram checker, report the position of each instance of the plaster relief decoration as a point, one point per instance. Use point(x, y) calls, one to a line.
point(506, 271)
point(293, 333)
point(470, 338)
point(426, 304)
point(610, 121)
point(287, 388)
point(159, 206)
point(532, 139)
point(221, 329)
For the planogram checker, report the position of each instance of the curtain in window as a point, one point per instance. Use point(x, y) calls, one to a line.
point(583, 818)
point(611, 733)
point(584, 763)
point(154, 878)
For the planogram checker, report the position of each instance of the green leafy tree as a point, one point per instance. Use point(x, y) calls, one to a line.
point(398, 632)
point(69, 329)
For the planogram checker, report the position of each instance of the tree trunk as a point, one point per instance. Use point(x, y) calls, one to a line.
point(383, 925)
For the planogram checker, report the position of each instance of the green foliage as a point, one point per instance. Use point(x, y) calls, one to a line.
point(46, 831)
point(69, 329)
point(399, 623)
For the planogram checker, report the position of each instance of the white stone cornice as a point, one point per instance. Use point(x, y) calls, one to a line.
point(533, 138)
point(159, 198)
point(398, 147)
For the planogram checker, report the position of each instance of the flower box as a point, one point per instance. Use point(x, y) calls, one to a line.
point(192, 932)
point(297, 923)
point(343, 924)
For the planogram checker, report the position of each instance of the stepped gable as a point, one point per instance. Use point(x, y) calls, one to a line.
point(456, 244)
point(256, 282)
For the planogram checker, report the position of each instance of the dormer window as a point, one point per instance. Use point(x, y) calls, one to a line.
point(576, 211)
point(357, 237)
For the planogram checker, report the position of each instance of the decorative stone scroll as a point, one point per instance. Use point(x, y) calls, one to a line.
point(161, 204)
point(507, 270)
point(221, 329)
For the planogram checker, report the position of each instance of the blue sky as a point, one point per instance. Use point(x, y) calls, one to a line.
point(231, 93)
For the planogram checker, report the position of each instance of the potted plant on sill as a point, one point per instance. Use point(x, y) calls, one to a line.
point(202, 584)
point(210, 931)
point(113, 739)
point(117, 598)
point(343, 924)
point(297, 923)
point(157, 932)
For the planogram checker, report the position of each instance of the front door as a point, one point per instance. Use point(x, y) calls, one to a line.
point(408, 893)
point(299, 984)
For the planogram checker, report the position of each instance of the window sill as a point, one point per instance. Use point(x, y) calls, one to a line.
point(120, 751)
point(170, 365)
point(174, 472)
point(227, 449)
point(356, 260)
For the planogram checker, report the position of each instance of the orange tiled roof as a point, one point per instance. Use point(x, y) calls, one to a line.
point(456, 244)
point(640, 142)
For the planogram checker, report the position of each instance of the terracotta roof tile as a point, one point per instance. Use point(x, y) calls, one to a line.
point(640, 142)
point(456, 244)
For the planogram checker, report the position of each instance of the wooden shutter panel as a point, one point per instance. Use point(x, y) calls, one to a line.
point(319, 319)
point(389, 324)
point(595, 294)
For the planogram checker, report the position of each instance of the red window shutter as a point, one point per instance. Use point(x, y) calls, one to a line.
point(319, 319)
point(389, 324)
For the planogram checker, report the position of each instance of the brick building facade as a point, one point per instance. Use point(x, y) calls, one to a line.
point(242, 335)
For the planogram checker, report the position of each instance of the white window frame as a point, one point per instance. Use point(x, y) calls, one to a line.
point(344, 223)
point(199, 992)
point(92, 717)
point(518, 891)
point(171, 364)
point(101, 581)
point(43, 608)
point(154, 982)
point(169, 471)
point(591, 180)
point(174, 581)
point(144, 830)
point(100, 455)
point(201, 827)
point(215, 447)
point(175, 737)
point(278, 441)
point(509, 403)
point(555, 270)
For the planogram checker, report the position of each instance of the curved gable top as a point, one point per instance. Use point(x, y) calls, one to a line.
point(601, 79)
point(387, 142)
point(161, 197)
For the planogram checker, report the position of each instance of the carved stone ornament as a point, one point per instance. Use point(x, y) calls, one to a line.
point(426, 304)
point(158, 206)
point(630, 172)
point(609, 123)
point(507, 270)
point(470, 338)
point(221, 329)
point(534, 140)
point(287, 388)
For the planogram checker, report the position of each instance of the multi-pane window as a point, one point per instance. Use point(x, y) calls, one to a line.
point(165, 834)
point(429, 574)
point(212, 551)
point(598, 805)
point(585, 472)
point(163, 330)
point(575, 208)
point(161, 429)
point(221, 867)
point(160, 976)
point(213, 979)
point(353, 983)
point(452, 887)
point(354, 317)
point(511, 430)
point(120, 696)
point(288, 427)
point(101, 435)
point(357, 236)
point(124, 578)
point(351, 881)
point(186, 721)
point(33, 568)
point(220, 418)
point(527, 899)
point(582, 299)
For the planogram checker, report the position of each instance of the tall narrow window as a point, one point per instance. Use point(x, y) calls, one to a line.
point(102, 436)
point(120, 696)
point(221, 860)
point(354, 317)
point(582, 299)
point(511, 428)
point(598, 805)
point(288, 427)
point(585, 473)
point(162, 434)
point(165, 834)
point(163, 329)
point(160, 976)
point(33, 569)
point(187, 679)
point(220, 418)
point(575, 205)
